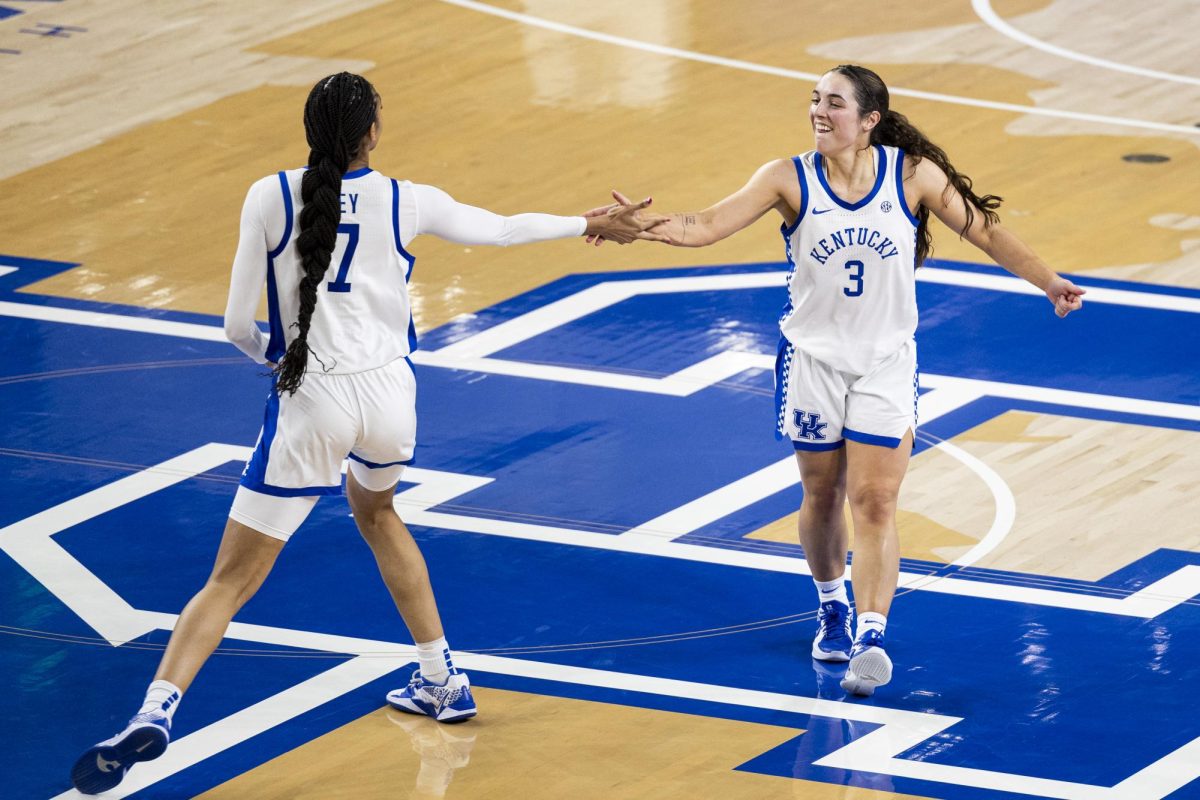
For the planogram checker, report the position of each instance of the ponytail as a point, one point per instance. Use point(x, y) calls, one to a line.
point(895, 130)
point(339, 113)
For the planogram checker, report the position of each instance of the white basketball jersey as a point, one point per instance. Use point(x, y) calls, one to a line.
point(852, 288)
point(363, 317)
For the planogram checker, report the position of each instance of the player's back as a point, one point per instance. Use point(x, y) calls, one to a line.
point(363, 317)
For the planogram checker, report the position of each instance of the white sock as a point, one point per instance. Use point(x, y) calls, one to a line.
point(832, 590)
point(434, 656)
point(162, 696)
point(871, 621)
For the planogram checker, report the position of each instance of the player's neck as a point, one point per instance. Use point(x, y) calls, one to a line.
point(851, 166)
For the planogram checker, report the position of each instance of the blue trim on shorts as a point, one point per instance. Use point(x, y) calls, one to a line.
point(783, 355)
point(255, 474)
point(817, 447)
point(373, 465)
point(303, 491)
point(870, 438)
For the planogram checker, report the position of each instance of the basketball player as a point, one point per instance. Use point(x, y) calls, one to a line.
point(855, 226)
point(330, 243)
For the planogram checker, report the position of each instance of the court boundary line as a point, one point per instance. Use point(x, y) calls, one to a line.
point(983, 9)
point(30, 541)
point(781, 72)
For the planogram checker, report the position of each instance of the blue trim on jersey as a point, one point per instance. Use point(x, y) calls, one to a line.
point(276, 344)
point(412, 334)
point(287, 213)
point(900, 188)
point(788, 230)
point(870, 438)
point(880, 171)
point(373, 465)
point(409, 257)
point(818, 447)
point(358, 173)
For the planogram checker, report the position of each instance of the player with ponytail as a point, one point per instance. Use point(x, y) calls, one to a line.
point(330, 245)
point(855, 213)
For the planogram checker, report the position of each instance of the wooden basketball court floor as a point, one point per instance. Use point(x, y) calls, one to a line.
point(608, 520)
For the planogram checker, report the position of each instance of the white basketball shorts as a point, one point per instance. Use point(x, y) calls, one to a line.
point(370, 417)
point(820, 407)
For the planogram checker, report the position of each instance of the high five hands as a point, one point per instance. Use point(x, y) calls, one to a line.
point(622, 222)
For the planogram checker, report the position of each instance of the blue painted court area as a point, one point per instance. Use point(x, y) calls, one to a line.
point(1043, 690)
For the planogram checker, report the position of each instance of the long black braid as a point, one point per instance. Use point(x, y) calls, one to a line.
point(895, 130)
point(339, 113)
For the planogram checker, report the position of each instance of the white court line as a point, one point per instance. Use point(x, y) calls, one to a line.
point(876, 752)
point(120, 322)
point(252, 721)
point(748, 66)
point(983, 8)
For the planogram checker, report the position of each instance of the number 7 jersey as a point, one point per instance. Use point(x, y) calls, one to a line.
point(363, 316)
point(852, 285)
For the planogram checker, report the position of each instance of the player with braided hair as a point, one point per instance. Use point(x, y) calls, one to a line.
point(340, 335)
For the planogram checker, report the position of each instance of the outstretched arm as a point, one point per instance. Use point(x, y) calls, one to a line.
point(937, 194)
point(441, 215)
point(770, 187)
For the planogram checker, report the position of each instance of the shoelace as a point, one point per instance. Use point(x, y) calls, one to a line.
point(833, 622)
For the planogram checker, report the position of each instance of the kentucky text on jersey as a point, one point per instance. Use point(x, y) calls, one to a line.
point(848, 237)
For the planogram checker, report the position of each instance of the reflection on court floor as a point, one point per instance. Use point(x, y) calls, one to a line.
point(594, 457)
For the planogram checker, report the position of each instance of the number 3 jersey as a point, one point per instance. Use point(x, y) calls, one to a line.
point(363, 316)
point(852, 287)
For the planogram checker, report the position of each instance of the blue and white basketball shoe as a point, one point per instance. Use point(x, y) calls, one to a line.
point(449, 702)
point(103, 765)
point(834, 640)
point(869, 665)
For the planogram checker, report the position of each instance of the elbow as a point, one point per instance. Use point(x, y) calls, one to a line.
point(233, 331)
point(238, 333)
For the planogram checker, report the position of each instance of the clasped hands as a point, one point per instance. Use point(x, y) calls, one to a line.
point(624, 221)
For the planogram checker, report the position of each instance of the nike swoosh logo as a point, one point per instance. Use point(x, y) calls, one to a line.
point(822, 210)
point(143, 747)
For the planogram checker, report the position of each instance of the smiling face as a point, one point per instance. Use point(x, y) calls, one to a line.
point(836, 118)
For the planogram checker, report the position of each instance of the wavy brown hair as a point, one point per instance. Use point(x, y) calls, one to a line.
point(895, 130)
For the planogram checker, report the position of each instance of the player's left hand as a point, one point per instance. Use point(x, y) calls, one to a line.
point(1065, 296)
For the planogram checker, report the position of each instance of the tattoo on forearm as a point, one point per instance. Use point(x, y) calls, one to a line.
point(686, 219)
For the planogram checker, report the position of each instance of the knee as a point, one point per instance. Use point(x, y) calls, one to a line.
point(824, 500)
point(873, 504)
point(237, 582)
point(370, 509)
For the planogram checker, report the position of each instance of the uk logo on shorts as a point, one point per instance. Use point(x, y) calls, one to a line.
point(810, 426)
